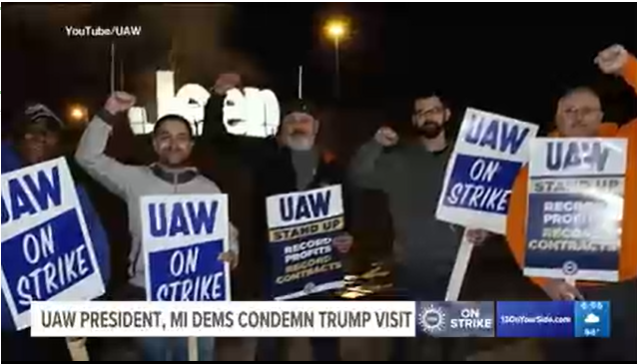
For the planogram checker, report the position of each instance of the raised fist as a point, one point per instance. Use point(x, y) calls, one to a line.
point(612, 60)
point(119, 102)
point(226, 82)
point(386, 137)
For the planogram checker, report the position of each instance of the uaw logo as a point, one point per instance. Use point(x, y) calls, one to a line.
point(570, 268)
point(309, 288)
point(432, 319)
point(456, 319)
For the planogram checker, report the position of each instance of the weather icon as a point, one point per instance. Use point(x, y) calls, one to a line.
point(592, 319)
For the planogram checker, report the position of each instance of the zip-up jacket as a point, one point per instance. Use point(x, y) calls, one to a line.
point(133, 182)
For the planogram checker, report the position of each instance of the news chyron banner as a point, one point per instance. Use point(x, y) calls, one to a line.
point(183, 238)
point(302, 229)
point(488, 155)
point(322, 319)
point(575, 208)
point(47, 251)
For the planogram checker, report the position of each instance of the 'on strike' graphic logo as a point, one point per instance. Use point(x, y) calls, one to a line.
point(432, 319)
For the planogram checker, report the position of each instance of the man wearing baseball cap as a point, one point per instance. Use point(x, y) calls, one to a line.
point(290, 161)
point(35, 138)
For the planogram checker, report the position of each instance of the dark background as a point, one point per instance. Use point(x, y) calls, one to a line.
point(510, 59)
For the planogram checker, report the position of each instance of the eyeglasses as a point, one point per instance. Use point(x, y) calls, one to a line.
point(583, 112)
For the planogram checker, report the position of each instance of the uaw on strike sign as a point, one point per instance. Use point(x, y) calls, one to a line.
point(183, 236)
point(575, 208)
point(302, 227)
point(487, 157)
point(47, 252)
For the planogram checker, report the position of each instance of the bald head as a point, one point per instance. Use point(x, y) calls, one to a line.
point(579, 113)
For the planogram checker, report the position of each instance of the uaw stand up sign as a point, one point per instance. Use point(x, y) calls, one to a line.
point(302, 226)
point(575, 209)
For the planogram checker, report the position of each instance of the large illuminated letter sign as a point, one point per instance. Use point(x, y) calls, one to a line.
point(252, 112)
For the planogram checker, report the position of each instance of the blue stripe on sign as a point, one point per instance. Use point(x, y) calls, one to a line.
point(46, 260)
point(571, 248)
point(481, 184)
point(191, 273)
point(579, 176)
point(317, 264)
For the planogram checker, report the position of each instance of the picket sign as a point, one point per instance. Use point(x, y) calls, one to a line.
point(182, 237)
point(302, 228)
point(459, 269)
point(487, 156)
point(193, 349)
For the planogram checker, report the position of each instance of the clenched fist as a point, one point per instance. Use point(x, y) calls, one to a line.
point(386, 137)
point(612, 60)
point(119, 102)
point(226, 82)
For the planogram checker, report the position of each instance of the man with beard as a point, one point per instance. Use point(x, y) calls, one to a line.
point(411, 173)
point(296, 163)
point(291, 161)
point(171, 174)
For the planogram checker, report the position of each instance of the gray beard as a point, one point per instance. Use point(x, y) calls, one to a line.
point(299, 143)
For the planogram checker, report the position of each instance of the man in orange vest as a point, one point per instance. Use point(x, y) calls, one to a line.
point(579, 114)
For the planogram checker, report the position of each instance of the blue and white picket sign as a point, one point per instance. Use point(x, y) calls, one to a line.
point(302, 227)
point(47, 252)
point(575, 208)
point(183, 236)
point(488, 155)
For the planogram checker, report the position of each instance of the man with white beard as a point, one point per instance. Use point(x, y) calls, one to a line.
point(292, 161)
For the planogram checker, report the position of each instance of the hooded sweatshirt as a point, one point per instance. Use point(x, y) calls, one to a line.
point(133, 182)
point(10, 162)
point(412, 178)
point(516, 221)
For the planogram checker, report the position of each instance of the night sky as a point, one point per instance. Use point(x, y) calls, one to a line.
point(509, 59)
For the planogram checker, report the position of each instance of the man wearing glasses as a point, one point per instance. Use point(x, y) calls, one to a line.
point(411, 172)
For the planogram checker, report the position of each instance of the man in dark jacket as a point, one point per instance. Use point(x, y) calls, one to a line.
point(289, 162)
point(37, 138)
point(411, 173)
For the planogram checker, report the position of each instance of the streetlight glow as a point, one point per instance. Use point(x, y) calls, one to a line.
point(78, 114)
point(336, 29)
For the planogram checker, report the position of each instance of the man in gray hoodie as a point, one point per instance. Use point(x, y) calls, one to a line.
point(411, 173)
point(173, 143)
